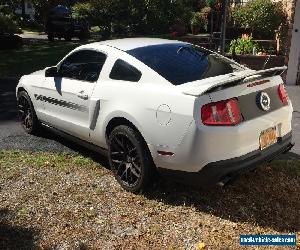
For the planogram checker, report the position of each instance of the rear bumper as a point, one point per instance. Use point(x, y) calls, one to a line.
point(218, 171)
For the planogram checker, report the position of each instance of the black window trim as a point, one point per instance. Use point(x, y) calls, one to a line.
point(79, 50)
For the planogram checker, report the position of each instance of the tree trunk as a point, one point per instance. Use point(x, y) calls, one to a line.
point(223, 26)
point(23, 8)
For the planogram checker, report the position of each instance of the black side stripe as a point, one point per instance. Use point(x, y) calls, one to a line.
point(64, 104)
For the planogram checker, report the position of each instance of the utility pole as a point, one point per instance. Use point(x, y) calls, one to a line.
point(223, 26)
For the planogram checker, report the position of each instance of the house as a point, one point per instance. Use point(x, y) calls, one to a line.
point(29, 9)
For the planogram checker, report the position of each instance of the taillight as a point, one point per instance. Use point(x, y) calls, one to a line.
point(222, 113)
point(283, 95)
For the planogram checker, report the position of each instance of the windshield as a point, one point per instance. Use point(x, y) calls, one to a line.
point(181, 63)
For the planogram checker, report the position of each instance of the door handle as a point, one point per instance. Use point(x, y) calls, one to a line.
point(82, 95)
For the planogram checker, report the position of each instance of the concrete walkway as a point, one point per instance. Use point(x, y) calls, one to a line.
point(294, 94)
point(34, 35)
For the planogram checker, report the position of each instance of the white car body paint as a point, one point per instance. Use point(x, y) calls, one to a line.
point(167, 116)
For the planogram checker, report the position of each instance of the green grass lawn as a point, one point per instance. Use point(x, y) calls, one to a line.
point(33, 57)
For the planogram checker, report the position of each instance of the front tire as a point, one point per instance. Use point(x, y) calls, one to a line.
point(130, 159)
point(27, 115)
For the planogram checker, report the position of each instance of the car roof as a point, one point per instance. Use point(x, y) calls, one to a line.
point(133, 43)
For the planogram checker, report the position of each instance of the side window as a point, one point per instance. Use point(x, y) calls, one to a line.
point(84, 65)
point(125, 72)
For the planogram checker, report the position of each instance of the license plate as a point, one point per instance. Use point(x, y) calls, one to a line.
point(267, 138)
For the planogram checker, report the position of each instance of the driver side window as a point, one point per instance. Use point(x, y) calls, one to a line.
point(84, 65)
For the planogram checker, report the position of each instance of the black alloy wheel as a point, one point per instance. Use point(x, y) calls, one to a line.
point(27, 114)
point(129, 159)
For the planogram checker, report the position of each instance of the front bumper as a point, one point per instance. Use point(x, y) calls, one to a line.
point(218, 171)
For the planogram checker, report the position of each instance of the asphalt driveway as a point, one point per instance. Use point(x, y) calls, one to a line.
point(13, 137)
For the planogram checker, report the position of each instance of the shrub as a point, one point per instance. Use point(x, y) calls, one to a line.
point(140, 16)
point(206, 11)
point(244, 45)
point(7, 24)
point(262, 16)
point(82, 11)
point(216, 4)
point(200, 19)
point(210, 3)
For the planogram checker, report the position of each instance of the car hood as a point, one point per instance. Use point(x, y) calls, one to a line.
point(200, 87)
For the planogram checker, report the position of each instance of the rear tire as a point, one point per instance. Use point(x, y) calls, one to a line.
point(130, 159)
point(27, 115)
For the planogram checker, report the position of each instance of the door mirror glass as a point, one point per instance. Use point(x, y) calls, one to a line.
point(51, 72)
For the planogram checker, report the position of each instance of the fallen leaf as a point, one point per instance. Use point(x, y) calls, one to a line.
point(200, 245)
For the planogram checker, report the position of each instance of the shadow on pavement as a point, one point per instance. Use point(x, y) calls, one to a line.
point(15, 237)
point(268, 197)
point(101, 159)
point(8, 103)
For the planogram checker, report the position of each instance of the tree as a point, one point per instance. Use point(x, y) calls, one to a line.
point(142, 16)
point(262, 16)
point(23, 8)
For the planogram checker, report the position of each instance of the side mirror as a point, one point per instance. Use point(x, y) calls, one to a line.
point(51, 72)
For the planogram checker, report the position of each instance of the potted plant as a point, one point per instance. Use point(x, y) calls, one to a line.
point(243, 45)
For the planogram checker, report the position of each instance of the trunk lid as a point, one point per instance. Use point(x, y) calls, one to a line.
point(255, 91)
point(236, 79)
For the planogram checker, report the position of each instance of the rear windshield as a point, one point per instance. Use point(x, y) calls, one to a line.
point(182, 63)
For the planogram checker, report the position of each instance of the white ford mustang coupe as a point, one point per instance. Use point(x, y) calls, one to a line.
point(155, 104)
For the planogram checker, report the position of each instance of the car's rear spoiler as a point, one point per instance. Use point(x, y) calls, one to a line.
point(201, 88)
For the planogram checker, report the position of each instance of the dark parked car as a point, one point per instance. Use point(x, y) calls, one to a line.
point(10, 41)
point(60, 24)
